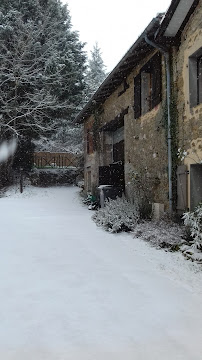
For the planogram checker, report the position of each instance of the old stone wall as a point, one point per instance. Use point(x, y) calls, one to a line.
point(189, 118)
point(146, 156)
point(145, 138)
point(146, 150)
point(145, 141)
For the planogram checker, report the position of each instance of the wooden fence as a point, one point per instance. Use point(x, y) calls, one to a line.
point(56, 160)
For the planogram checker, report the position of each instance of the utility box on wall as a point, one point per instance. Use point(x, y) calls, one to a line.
point(108, 192)
point(157, 210)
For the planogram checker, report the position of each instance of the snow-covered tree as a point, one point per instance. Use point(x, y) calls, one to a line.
point(42, 66)
point(96, 72)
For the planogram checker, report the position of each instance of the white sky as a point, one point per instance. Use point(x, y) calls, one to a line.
point(114, 24)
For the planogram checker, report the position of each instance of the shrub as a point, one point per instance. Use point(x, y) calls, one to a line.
point(193, 220)
point(52, 177)
point(162, 233)
point(117, 215)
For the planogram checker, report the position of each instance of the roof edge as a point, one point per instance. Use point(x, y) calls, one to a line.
point(80, 118)
point(168, 16)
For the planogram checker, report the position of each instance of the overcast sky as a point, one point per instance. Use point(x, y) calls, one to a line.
point(114, 24)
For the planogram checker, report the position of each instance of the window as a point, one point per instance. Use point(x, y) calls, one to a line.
point(146, 91)
point(89, 142)
point(147, 87)
point(195, 185)
point(199, 80)
point(125, 87)
point(195, 78)
point(118, 145)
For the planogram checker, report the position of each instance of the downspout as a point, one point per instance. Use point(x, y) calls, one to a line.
point(169, 138)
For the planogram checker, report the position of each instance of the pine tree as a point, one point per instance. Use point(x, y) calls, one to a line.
point(96, 72)
point(42, 66)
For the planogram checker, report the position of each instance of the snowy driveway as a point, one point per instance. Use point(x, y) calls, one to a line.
point(70, 291)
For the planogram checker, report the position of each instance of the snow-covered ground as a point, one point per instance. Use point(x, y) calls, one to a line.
point(71, 291)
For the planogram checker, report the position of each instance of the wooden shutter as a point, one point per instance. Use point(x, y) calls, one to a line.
point(199, 77)
point(181, 188)
point(156, 80)
point(137, 96)
point(195, 185)
point(145, 92)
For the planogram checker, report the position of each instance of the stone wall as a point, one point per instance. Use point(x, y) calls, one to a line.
point(145, 138)
point(146, 156)
point(189, 118)
point(145, 141)
point(146, 150)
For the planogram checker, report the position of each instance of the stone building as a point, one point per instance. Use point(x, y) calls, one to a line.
point(147, 115)
point(187, 64)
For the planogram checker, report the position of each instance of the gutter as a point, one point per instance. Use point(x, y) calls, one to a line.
point(168, 93)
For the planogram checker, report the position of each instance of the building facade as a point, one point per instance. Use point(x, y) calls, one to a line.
point(143, 126)
point(188, 80)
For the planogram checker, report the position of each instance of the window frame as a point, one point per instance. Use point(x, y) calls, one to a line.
point(154, 94)
point(195, 78)
point(199, 80)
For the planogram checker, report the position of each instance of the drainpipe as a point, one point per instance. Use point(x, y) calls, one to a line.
point(169, 138)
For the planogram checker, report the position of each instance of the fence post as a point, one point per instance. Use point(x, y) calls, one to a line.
point(21, 181)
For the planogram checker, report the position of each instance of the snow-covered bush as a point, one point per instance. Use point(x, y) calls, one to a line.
point(117, 215)
point(161, 234)
point(193, 220)
point(52, 177)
